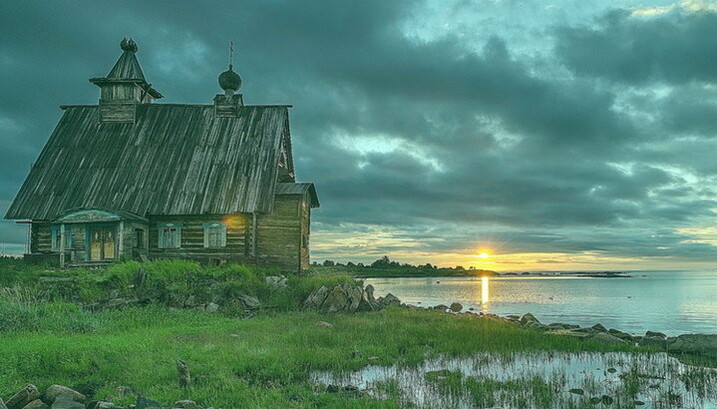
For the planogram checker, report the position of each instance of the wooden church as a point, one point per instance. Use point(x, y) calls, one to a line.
point(132, 179)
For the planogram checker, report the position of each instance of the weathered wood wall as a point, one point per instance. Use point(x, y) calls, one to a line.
point(192, 238)
point(279, 234)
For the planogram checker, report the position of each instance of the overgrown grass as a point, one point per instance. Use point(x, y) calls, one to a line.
point(262, 362)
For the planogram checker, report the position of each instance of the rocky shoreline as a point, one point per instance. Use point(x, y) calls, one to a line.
point(62, 397)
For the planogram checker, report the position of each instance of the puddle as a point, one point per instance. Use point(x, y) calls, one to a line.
point(541, 380)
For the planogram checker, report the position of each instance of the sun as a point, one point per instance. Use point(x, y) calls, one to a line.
point(484, 255)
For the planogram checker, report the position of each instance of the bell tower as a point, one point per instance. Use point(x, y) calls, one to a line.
point(124, 87)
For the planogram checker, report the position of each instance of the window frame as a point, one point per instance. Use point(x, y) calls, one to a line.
point(176, 238)
point(212, 228)
point(56, 233)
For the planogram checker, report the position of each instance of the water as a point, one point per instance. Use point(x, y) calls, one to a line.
point(485, 380)
point(671, 302)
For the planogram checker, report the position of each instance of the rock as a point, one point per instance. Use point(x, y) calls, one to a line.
point(55, 391)
point(595, 400)
point(36, 404)
point(316, 298)
point(23, 397)
point(620, 334)
point(143, 403)
point(606, 400)
point(110, 405)
point(528, 318)
point(390, 300)
point(368, 302)
point(440, 307)
point(655, 334)
point(336, 301)
point(598, 328)
point(88, 389)
point(653, 342)
point(183, 376)
point(66, 402)
point(190, 301)
point(249, 302)
point(354, 294)
point(606, 339)
point(324, 324)
point(186, 404)
point(276, 282)
point(572, 333)
point(577, 391)
point(456, 307)
point(212, 307)
point(701, 344)
point(611, 370)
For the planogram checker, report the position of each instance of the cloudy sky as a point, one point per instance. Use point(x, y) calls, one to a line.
point(565, 134)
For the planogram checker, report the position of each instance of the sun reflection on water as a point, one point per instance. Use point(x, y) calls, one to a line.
point(484, 291)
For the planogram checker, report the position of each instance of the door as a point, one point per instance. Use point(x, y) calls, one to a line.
point(102, 243)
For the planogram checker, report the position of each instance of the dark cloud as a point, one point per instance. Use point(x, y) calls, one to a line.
point(435, 142)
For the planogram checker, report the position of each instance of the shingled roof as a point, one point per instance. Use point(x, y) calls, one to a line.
point(174, 159)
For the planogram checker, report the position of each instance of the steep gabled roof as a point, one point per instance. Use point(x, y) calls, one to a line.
point(175, 159)
point(127, 67)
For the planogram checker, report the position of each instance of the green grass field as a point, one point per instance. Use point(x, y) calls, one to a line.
point(260, 362)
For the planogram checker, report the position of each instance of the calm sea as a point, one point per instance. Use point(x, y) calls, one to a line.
point(673, 302)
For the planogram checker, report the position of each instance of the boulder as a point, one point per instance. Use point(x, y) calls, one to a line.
point(212, 307)
point(528, 318)
point(700, 344)
point(55, 391)
point(653, 342)
point(655, 334)
point(142, 403)
point(66, 402)
point(607, 339)
point(368, 302)
point(389, 300)
point(276, 282)
point(316, 298)
point(249, 302)
point(336, 301)
point(621, 334)
point(598, 328)
point(23, 397)
point(110, 405)
point(571, 333)
point(440, 307)
point(36, 404)
point(186, 404)
point(456, 307)
point(354, 295)
point(190, 302)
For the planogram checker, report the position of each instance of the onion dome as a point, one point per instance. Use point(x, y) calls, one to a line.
point(229, 80)
point(128, 45)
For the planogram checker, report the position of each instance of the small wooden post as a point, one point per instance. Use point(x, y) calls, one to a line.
point(62, 245)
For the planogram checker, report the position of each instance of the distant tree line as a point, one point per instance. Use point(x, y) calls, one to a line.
point(386, 263)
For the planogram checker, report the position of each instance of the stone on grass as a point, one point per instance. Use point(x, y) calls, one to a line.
point(316, 298)
point(36, 404)
point(456, 307)
point(528, 318)
point(276, 281)
point(143, 403)
point(249, 302)
point(24, 396)
point(368, 302)
point(212, 307)
point(389, 300)
point(701, 344)
point(653, 342)
point(655, 334)
point(186, 404)
point(324, 324)
point(55, 391)
point(66, 402)
point(598, 328)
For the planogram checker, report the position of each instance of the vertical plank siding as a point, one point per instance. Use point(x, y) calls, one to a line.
point(279, 234)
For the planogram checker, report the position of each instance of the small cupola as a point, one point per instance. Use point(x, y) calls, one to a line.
point(124, 87)
point(227, 105)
